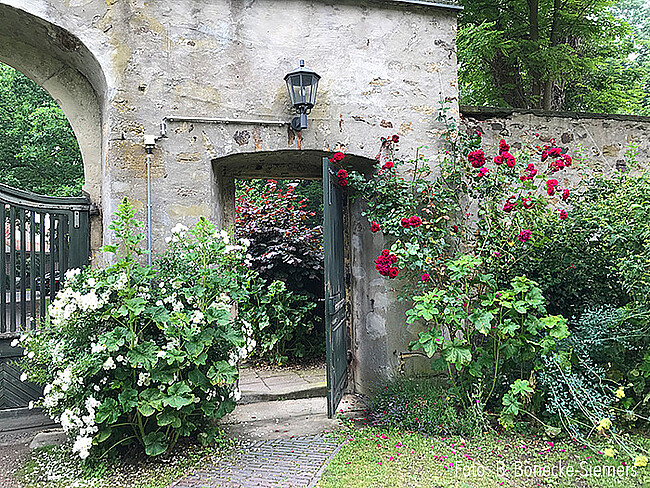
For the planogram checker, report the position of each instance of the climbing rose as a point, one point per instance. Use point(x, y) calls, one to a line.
point(415, 221)
point(563, 214)
point(374, 227)
point(552, 183)
point(551, 191)
point(405, 222)
point(395, 138)
point(509, 206)
point(385, 253)
point(455, 228)
point(388, 165)
point(565, 194)
point(343, 182)
point(476, 158)
point(426, 277)
point(526, 202)
point(507, 158)
point(393, 272)
point(503, 147)
point(342, 173)
point(567, 160)
point(337, 157)
point(482, 172)
point(524, 235)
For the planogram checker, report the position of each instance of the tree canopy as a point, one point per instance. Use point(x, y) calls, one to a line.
point(554, 54)
point(38, 149)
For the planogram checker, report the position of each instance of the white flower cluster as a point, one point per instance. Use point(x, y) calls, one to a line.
point(54, 393)
point(178, 232)
point(83, 425)
point(69, 301)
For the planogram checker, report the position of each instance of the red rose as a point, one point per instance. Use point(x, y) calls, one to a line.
point(388, 165)
point(342, 173)
point(567, 160)
point(395, 138)
point(406, 223)
point(551, 191)
point(565, 194)
point(393, 272)
point(455, 228)
point(508, 207)
point(563, 214)
point(343, 182)
point(503, 147)
point(392, 259)
point(552, 183)
point(415, 221)
point(374, 227)
point(426, 277)
point(337, 157)
point(476, 158)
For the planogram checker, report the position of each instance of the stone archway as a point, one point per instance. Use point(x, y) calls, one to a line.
point(64, 67)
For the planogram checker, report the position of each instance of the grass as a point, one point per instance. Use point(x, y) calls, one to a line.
point(57, 467)
point(375, 458)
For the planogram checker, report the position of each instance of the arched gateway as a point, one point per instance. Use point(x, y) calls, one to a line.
point(211, 76)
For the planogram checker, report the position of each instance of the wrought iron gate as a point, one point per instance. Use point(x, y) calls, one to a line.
point(335, 303)
point(43, 238)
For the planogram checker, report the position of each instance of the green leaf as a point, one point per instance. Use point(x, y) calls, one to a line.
point(222, 373)
point(145, 409)
point(521, 388)
point(509, 327)
point(168, 417)
point(178, 396)
point(482, 320)
point(116, 338)
point(155, 443)
point(128, 399)
point(145, 354)
point(108, 412)
point(102, 435)
point(457, 353)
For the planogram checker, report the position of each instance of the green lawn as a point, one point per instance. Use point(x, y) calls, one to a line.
point(378, 459)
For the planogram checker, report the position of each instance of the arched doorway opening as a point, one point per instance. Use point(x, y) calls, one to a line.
point(337, 311)
point(44, 236)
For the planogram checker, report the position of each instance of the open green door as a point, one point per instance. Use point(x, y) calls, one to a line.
point(335, 308)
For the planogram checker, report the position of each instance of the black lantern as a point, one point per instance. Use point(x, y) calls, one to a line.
point(302, 84)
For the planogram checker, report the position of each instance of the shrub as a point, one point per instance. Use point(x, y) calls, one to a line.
point(285, 246)
point(455, 233)
point(422, 405)
point(135, 355)
point(280, 321)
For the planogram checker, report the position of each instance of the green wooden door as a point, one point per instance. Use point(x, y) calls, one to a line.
point(335, 303)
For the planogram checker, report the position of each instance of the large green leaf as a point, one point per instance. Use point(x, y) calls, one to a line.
point(482, 320)
point(155, 443)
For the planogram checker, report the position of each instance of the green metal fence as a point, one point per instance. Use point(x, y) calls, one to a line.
point(43, 238)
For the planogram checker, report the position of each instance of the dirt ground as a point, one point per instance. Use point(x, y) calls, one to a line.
point(13, 448)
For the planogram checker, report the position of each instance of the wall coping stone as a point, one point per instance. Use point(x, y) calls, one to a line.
point(482, 113)
point(424, 3)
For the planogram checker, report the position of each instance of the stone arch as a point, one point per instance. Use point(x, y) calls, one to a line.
point(63, 66)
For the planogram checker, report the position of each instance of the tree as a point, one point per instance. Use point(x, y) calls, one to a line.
point(550, 54)
point(38, 149)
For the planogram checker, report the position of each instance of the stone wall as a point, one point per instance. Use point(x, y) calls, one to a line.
point(213, 72)
point(600, 140)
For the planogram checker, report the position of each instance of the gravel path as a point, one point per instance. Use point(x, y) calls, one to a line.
point(13, 449)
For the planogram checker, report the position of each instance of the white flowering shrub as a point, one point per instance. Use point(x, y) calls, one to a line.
point(135, 354)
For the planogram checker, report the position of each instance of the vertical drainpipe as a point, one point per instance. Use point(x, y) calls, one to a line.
point(149, 145)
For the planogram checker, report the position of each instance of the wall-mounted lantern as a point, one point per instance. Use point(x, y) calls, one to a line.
point(302, 84)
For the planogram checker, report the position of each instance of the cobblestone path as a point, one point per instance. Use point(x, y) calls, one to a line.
point(295, 462)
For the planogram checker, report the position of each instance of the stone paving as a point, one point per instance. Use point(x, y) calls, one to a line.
point(295, 462)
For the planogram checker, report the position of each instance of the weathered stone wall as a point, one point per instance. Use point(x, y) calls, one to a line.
point(599, 140)
point(121, 67)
